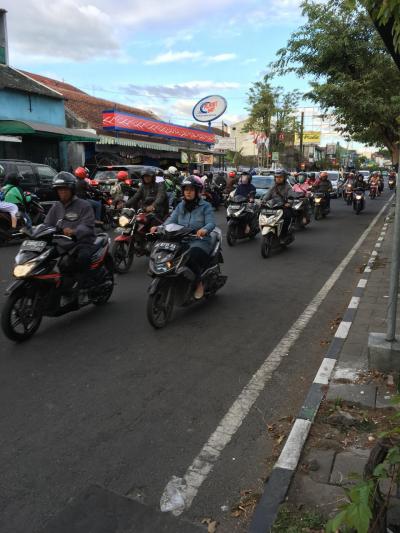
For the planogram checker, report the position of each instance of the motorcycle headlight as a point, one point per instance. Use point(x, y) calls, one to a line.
point(317, 200)
point(358, 197)
point(123, 221)
point(21, 271)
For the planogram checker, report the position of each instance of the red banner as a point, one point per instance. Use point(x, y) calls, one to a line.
point(117, 121)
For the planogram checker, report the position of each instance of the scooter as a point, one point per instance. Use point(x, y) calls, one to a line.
point(173, 281)
point(321, 209)
point(36, 213)
point(348, 194)
point(301, 211)
point(45, 282)
point(358, 201)
point(241, 213)
point(271, 224)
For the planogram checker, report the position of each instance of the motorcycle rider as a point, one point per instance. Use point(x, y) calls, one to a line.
point(220, 179)
point(324, 185)
point(303, 188)
point(75, 218)
point(84, 191)
point(374, 181)
point(246, 189)
point(196, 213)
point(232, 181)
point(282, 193)
point(14, 194)
point(8, 207)
point(151, 196)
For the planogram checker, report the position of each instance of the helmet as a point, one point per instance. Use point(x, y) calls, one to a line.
point(192, 181)
point(232, 174)
point(172, 170)
point(160, 173)
point(81, 173)
point(64, 180)
point(323, 174)
point(247, 174)
point(122, 175)
point(148, 172)
point(280, 172)
point(210, 175)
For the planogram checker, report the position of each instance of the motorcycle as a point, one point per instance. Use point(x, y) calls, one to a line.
point(348, 194)
point(45, 283)
point(271, 225)
point(321, 208)
point(301, 211)
point(240, 213)
point(173, 282)
point(392, 183)
point(132, 238)
point(36, 213)
point(373, 191)
point(358, 201)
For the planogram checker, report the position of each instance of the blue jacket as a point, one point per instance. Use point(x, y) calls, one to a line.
point(202, 217)
point(245, 189)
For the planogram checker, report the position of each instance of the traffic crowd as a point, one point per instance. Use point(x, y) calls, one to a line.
point(66, 262)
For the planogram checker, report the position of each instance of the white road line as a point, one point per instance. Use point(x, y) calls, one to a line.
point(378, 245)
point(325, 371)
point(179, 493)
point(290, 454)
point(343, 330)
point(380, 239)
point(354, 302)
point(367, 269)
point(374, 253)
point(362, 283)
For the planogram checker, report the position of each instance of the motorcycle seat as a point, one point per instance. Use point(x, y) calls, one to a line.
point(101, 240)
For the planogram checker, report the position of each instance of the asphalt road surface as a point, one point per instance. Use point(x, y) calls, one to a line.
point(98, 397)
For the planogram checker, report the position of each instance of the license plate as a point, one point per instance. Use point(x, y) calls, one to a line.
point(33, 246)
point(269, 212)
point(170, 246)
point(235, 207)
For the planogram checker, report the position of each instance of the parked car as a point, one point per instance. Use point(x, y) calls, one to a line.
point(334, 177)
point(107, 175)
point(365, 174)
point(262, 184)
point(35, 177)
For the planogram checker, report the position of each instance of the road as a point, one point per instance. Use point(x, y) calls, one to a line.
point(99, 397)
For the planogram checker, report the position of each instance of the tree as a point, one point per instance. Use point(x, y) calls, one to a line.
point(354, 77)
point(271, 112)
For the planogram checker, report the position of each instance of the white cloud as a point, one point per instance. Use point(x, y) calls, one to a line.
point(182, 36)
point(222, 57)
point(184, 90)
point(174, 57)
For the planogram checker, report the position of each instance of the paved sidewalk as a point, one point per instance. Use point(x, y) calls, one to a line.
point(338, 445)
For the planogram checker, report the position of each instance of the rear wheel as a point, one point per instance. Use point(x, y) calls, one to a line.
point(21, 317)
point(266, 245)
point(123, 256)
point(231, 235)
point(160, 306)
point(107, 284)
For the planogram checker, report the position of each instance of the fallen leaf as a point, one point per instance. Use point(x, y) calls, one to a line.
point(280, 439)
point(211, 524)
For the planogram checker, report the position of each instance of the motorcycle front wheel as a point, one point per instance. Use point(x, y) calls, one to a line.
point(20, 318)
point(108, 283)
point(231, 235)
point(160, 306)
point(317, 213)
point(123, 256)
point(266, 245)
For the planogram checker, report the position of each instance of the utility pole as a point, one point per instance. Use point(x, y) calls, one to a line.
point(301, 137)
point(394, 271)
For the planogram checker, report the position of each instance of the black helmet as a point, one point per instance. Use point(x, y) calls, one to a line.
point(280, 172)
point(160, 173)
point(245, 173)
point(64, 179)
point(148, 172)
point(192, 181)
point(210, 175)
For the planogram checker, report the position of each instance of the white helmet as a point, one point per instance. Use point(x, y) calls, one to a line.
point(172, 170)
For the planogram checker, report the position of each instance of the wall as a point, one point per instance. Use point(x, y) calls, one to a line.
point(244, 141)
point(15, 105)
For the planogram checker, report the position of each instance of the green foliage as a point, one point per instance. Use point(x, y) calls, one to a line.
point(356, 514)
point(291, 520)
point(353, 75)
point(384, 12)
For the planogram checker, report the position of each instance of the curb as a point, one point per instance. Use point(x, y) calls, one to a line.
point(278, 483)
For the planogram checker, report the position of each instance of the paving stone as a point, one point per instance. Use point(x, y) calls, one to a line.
point(363, 395)
point(320, 464)
point(393, 513)
point(384, 397)
point(327, 499)
point(348, 463)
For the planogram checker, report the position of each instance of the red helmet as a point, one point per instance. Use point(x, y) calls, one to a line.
point(232, 174)
point(122, 175)
point(81, 173)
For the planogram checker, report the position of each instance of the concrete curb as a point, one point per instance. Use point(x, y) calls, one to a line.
point(278, 483)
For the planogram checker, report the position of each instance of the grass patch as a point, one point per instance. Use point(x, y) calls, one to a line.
point(292, 520)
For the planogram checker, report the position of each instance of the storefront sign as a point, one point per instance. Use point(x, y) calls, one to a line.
point(275, 156)
point(118, 121)
point(204, 159)
point(209, 108)
point(225, 143)
point(309, 137)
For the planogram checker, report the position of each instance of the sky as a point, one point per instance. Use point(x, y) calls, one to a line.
point(159, 55)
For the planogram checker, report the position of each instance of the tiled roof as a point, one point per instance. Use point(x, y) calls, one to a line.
point(11, 78)
point(86, 107)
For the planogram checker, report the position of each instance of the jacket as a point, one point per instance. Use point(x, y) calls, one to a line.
point(77, 215)
point(202, 217)
point(324, 186)
point(246, 190)
point(279, 193)
point(154, 193)
point(13, 194)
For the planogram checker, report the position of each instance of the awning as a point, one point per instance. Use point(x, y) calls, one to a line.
point(121, 141)
point(26, 127)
